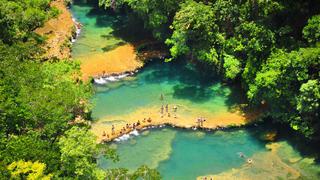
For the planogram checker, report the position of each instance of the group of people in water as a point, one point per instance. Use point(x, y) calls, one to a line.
point(166, 108)
point(164, 111)
point(200, 121)
point(128, 127)
point(241, 155)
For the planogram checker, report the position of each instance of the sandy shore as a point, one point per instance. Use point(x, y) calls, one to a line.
point(120, 60)
point(117, 61)
point(58, 32)
point(183, 118)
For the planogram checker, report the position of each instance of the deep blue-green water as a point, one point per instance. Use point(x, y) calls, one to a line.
point(182, 154)
point(186, 154)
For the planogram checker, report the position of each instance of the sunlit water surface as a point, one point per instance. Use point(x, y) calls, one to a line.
point(177, 154)
point(181, 154)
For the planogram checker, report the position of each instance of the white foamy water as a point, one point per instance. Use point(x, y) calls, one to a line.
point(78, 30)
point(135, 133)
point(122, 138)
point(105, 80)
point(99, 81)
point(127, 136)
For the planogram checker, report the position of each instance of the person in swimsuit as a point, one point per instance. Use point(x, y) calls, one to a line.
point(161, 97)
point(112, 129)
point(175, 108)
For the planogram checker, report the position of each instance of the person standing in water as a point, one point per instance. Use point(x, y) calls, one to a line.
point(198, 122)
point(112, 130)
point(167, 106)
point(161, 97)
point(162, 109)
point(175, 108)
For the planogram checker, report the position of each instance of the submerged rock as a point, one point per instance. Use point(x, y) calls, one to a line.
point(269, 136)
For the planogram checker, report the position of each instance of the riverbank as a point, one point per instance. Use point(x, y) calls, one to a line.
point(182, 117)
point(58, 33)
point(104, 48)
point(120, 60)
point(123, 59)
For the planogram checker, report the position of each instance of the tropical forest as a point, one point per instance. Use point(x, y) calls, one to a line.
point(160, 89)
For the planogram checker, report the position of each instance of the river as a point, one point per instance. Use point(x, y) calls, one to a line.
point(178, 153)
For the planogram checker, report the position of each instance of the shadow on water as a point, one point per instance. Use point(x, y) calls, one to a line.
point(131, 29)
point(126, 27)
point(195, 94)
point(104, 18)
point(304, 146)
point(178, 70)
point(237, 96)
point(192, 81)
point(112, 47)
point(189, 82)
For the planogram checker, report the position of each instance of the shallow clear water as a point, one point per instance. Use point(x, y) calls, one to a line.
point(96, 32)
point(179, 83)
point(180, 154)
point(186, 154)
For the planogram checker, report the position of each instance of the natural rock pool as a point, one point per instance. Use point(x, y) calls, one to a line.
point(182, 154)
point(187, 154)
point(176, 153)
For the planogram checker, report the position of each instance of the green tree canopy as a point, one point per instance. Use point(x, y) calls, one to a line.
point(19, 18)
point(311, 32)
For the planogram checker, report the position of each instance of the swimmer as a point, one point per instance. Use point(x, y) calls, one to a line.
point(201, 121)
point(112, 129)
point(249, 161)
point(161, 97)
point(198, 121)
point(241, 155)
point(175, 108)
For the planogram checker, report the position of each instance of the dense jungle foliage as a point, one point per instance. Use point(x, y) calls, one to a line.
point(271, 46)
point(44, 106)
